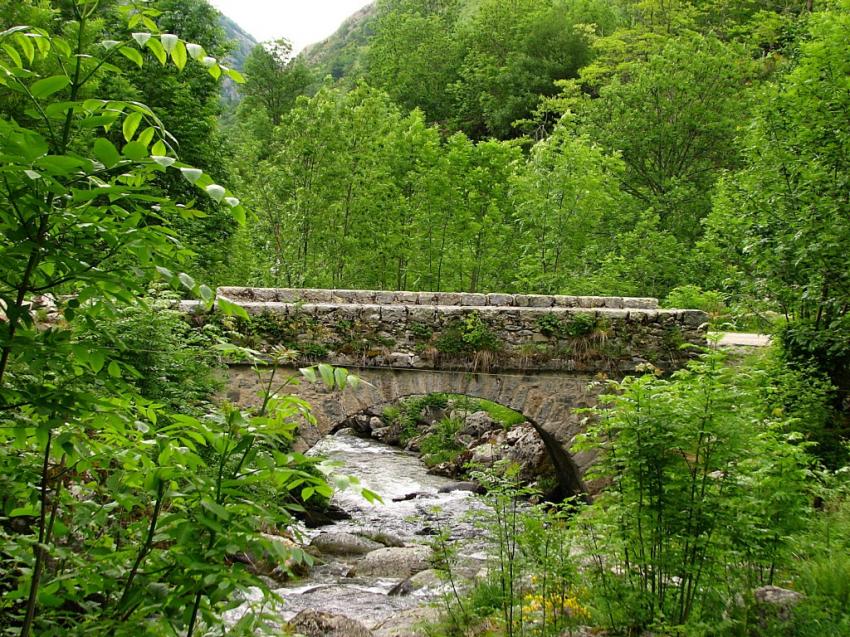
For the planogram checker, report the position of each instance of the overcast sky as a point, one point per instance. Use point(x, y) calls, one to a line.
point(302, 22)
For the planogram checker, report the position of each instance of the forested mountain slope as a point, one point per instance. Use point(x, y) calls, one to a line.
point(343, 54)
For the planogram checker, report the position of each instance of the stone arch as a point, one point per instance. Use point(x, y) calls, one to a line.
point(547, 400)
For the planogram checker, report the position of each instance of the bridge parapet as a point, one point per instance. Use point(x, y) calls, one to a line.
point(596, 334)
point(462, 299)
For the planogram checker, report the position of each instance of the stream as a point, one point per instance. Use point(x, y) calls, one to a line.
point(393, 474)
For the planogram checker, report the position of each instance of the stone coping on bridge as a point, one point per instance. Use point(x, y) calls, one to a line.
point(313, 296)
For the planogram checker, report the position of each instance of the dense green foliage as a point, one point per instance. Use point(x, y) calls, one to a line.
point(692, 150)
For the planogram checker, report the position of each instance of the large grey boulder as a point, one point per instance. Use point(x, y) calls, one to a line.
point(521, 445)
point(343, 544)
point(314, 623)
point(477, 424)
point(777, 602)
point(394, 562)
point(428, 578)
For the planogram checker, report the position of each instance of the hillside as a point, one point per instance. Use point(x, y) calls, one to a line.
point(243, 42)
point(342, 54)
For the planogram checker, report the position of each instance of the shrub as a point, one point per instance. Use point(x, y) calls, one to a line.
point(705, 490)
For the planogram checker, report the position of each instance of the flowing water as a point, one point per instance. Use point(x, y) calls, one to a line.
point(392, 473)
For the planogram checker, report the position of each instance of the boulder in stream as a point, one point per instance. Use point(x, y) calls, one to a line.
point(428, 578)
point(343, 544)
point(314, 623)
point(394, 562)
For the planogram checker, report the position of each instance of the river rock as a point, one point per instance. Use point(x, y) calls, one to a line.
point(775, 601)
point(314, 518)
point(477, 424)
point(408, 623)
point(394, 562)
point(314, 623)
point(429, 578)
point(521, 445)
point(389, 435)
point(472, 487)
point(343, 544)
point(382, 537)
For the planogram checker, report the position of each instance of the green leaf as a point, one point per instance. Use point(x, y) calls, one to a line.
point(105, 152)
point(196, 51)
point(114, 369)
point(187, 281)
point(31, 510)
point(146, 136)
point(26, 46)
point(131, 124)
point(179, 55)
point(155, 47)
point(49, 85)
point(14, 55)
point(206, 293)
point(236, 76)
point(169, 42)
point(327, 374)
point(61, 164)
point(215, 508)
point(133, 55)
point(165, 162)
point(309, 373)
point(192, 174)
point(141, 38)
point(96, 360)
point(216, 192)
point(135, 151)
point(231, 309)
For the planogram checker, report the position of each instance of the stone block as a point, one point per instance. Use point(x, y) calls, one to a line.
point(694, 318)
point(421, 313)
point(347, 312)
point(370, 313)
point(590, 301)
point(612, 301)
point(642, 303)
point(565, 301)
point(540, 300)
point(500, 299)
point(317, 296)
point(614, 315)
point(343, 296)
point(428, 298)
point(385, 298)
point(408, 298)
point(363, 297)
point(473, 299)
point(396, 314)
point(325, 309)
point(449, 298)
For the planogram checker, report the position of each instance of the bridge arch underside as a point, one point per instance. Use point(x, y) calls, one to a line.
point(547, 400)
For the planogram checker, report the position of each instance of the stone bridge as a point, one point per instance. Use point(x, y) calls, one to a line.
point(543, 356)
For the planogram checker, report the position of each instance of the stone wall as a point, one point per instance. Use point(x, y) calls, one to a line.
point(473, 332)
